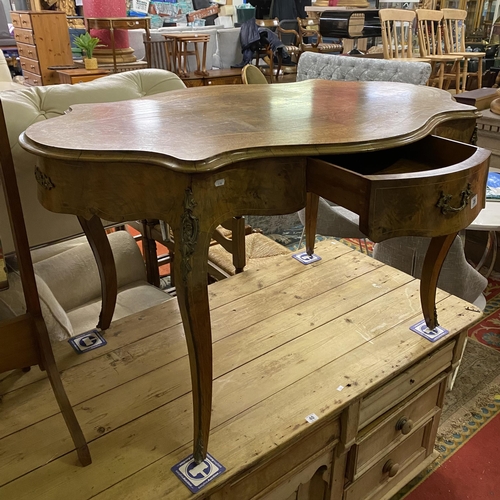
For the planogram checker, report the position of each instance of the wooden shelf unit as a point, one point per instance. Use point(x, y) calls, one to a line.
point(42, 41)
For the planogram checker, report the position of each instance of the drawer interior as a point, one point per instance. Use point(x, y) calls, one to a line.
point(430, 153)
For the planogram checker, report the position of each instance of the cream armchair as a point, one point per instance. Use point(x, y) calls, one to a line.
point(70, 289)
point(67, 276)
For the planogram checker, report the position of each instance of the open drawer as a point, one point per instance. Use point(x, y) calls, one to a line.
point(432, 187)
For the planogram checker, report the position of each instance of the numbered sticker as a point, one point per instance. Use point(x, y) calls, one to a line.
point(473, 201)
point(312, 418)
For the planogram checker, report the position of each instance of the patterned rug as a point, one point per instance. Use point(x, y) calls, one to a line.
point(487, 332)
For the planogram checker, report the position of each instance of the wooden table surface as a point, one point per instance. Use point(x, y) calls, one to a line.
point(133, 399)
point(212, 127)
point(196, 157)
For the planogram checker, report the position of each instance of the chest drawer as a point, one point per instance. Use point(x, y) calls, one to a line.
point(378, 480)
point(295, 465)
point(28, 51)
point(405, 384)
point(25, 19)
point(32, 79)
point(432, 187)
point(16, 19)
point(391, 429)
point(30, 65)
point(24, 36)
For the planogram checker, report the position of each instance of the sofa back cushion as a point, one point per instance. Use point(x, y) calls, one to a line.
point(330, 67)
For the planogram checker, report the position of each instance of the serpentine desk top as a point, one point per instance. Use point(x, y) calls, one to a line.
point(162, 158)
point(205, 128)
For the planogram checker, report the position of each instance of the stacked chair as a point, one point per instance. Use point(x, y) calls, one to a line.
point(445, 67)
point(454, 44)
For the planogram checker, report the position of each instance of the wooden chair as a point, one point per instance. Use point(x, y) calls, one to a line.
point(430, 42)
point(454, 43)
point(266, 52)
point(397, 34)
point(159, 54)
point(288, 32)
point(25, 339)
point(309, 30)
point(251, 74)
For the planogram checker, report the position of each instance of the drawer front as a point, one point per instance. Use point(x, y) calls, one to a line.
point(287, 465)
point(195, 82)
point(405, 384)
point(226, 80)
point(28, 51)
point(124, 24)
point(392, 428)
point(24, 36)
point(30, 65)
point(373, 483)
point(16, 19)
point(314, 476)
point(433, 187)
point(84, 78)
point(25, 21)
point(32, 79)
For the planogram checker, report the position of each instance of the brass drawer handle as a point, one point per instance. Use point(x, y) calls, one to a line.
point(443, 202)
point(405, 425)
point(390, 468)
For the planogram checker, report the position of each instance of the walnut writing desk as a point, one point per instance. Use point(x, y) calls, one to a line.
point(197, 157)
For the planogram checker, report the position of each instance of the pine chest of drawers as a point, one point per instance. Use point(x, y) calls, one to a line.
point(42, 42)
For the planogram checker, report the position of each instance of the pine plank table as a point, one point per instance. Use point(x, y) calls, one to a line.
point(307, 331)
point(197, 157)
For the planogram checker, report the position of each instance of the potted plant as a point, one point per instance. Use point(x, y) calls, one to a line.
point(87, 43)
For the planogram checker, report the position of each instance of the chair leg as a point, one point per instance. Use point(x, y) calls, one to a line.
point(464, 75)
point(238, 243)
point(480, 73)
point(150, 255)
point(458, 89)
point(441, 75)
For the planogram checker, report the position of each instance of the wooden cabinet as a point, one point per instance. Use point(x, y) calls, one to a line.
point(376, 388)
point(42, 41)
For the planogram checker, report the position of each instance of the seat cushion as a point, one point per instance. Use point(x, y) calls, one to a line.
point(131, 299)
point(72, 273)
point(12, 304)
point(258, 248)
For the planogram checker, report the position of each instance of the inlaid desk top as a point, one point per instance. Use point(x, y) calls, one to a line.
point(211, 127)
point(197, 157)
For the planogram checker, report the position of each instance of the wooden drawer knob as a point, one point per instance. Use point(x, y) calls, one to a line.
point(390, 468)
point(405, 425)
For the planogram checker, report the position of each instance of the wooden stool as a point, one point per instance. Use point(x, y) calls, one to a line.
point(181, 52)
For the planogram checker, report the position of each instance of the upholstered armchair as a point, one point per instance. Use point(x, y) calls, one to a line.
point(67, 275)
point(35, 104)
